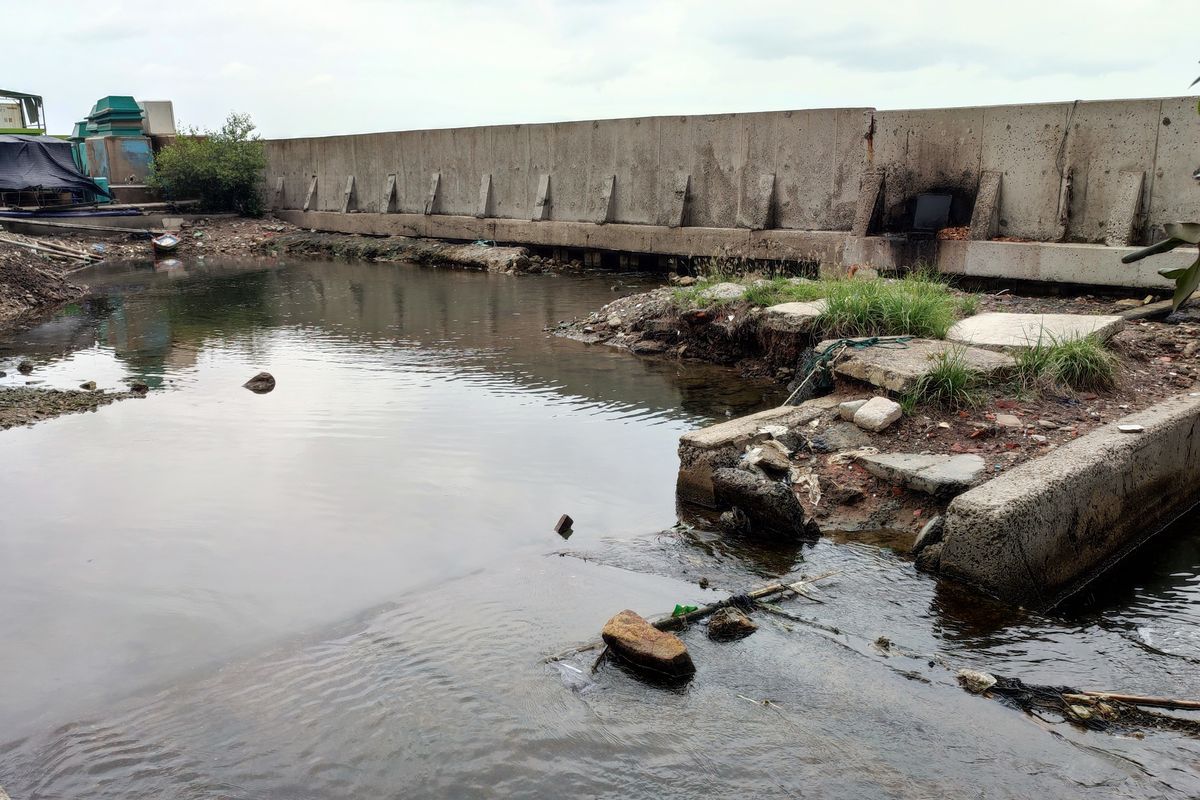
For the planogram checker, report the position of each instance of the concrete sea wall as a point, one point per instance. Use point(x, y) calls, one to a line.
point(827, 185)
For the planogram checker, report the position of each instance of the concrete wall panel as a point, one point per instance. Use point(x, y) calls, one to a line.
point(816, 156)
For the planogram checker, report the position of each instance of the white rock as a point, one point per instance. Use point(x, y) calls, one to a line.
point(847, 409)
point(1008, 421)
point(877, 413)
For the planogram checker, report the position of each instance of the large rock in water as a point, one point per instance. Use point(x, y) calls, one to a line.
point(771, 506)
point(642, 644)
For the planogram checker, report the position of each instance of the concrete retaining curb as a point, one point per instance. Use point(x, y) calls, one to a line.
point(1038, 533)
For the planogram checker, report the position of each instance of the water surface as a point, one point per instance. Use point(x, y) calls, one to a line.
point(347, 587)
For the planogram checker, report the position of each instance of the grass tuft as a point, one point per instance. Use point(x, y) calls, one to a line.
point(1081, 363)
point(912, 306)
point(951, 383)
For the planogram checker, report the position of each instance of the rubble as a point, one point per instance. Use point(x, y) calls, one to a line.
point(939, 475)
point(999, 331)
point(898, 366)
point(770, 506)
point(729, 623)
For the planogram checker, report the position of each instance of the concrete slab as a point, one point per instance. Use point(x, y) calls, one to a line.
point(793, 317)
point(1001, 331)
point(723, 292)
point(898, 367)
point(939, 475)
point(1041, 530)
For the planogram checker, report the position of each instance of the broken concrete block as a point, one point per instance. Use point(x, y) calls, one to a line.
point(723, 292)
point(877, 413)
point(938, 475)
point(769, 455)
point(793, 317)
point(636, 640)
point(772, 508)
point(729, 623)
point(897, 367)
point(1002, 331)
point(847, 409)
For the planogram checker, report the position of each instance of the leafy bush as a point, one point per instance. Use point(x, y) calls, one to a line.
point(222, 169)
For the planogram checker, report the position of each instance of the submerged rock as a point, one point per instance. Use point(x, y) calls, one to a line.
point(729, 623)
point(636, 640)
point(771, 507)
point(261, 383)
point(24, 368)
point(89, 386)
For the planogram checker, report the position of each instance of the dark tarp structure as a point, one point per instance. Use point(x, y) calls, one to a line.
point(41, 163)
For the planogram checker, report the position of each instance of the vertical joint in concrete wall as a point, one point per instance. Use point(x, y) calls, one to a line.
point(1126, 210)
point(541, 206)
point(680, 198)
point(349, 196)
point(870, 199)
point(608, 197)
point(388, 206)
point(435, 184)
point(484, 209)
point(985, 217)
point(1064, 204)
point(277, 201)
point(755, 211)
point(310, 199)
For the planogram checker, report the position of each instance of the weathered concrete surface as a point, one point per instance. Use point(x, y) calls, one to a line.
point(938, 475)
point(791, 170)
point(1038, 261)
point(1041, 530)
point(897, 368)
point(770, 506)
point(787, 245)
point(707, 449)
point(796, 317)
point(639, 642)
point(1001, 331)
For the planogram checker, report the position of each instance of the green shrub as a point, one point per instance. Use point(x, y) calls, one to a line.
point(222, 169)
point(1081, 363)
point(950, 383)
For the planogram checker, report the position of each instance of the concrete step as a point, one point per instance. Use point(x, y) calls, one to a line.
point(1003, 331)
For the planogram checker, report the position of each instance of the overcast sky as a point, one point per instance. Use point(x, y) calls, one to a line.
point(349, 66)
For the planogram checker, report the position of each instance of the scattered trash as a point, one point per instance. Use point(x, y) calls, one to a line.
point(680, 610)
point(1130, 428)
point(974, 681)
point(262, 383)
point(99, 247)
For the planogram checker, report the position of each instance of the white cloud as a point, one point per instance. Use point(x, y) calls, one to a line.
point(313, 67)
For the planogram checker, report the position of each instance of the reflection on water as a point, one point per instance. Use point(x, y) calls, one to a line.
point(346, 587)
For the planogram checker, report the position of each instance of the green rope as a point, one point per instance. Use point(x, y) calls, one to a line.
point(816, 365)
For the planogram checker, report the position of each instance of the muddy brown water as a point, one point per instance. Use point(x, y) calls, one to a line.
point(346, 587)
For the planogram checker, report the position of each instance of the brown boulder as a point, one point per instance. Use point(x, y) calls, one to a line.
point(633, 638)
point(261, 383)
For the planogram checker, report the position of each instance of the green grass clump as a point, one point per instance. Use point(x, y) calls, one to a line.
point(951, 383)
point(783, 290)
point(1081, 363)
point(911, 306)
